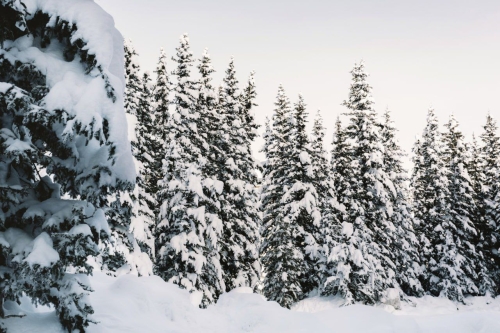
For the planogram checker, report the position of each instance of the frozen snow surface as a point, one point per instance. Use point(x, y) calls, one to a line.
point(148, 304)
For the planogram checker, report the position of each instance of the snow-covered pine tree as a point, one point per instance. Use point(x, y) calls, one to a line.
point(247, 97)
point(131, 212)
point(187, 233)
point(133, 84)
point(281, 259)
point(239, 211)
point(457, 263)
point(340, 169)
point(430, 190)
point(321, 169)
point(328, 204)
point(210, 118)
point(267, 136)
point(159, 142)
point(144, 199)
point(490, 198)
point(301, 202)
point(404, 248)
point(337, 269)
point(475, 170)
point(63, 136)
point(364, 269)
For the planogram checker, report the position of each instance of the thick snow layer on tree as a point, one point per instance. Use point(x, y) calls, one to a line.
point(42, 252)
point(95, 27)
point(148, 304)
point(71, 89)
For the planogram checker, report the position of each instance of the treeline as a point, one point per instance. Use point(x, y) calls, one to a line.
point(355, 225)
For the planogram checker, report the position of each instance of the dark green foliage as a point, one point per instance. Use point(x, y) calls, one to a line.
point(36, 140)
point(239, 211)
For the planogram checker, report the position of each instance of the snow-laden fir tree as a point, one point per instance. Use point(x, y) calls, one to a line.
point(239, 211)
point(489, 228)
point(337, 273)
point(267, 136)
point(456, 263)
point(322, 177)
point(132, 246)
point(143, 199)
point(364, 269)
point(429, 185)
point(340, 169)
point(475, 170)
point(133, 83)
point(404, 247)
point(188, 232)
point(247, 99)
point(327, 198)
point(210, 117)
point(60, 136)
point(161, 103)
point(142, 148)
point(302, 203)
point(281, 259)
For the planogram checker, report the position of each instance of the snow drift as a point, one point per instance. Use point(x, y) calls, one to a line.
point(148, 304)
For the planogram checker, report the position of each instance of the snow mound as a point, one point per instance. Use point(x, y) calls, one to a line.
point(148, 304)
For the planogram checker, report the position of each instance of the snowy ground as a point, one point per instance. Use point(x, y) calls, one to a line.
point(147, 304)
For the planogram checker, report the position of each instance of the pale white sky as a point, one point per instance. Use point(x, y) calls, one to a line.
point(442, 53)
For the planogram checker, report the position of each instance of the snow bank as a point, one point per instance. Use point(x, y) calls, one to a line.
point(148, 304)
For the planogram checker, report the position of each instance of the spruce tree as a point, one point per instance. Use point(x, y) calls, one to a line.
point(63, 151)
point(337, 266)
point(364, 267)
point(247, 97)
point(430, 190)
point(133, 84)
point(131, 213)
point(187, 233)
point(281, 259)
point(160, 140)
point(489, 228)
point(340, 168)
point(404, 247)
point(327, 198)
point(457, 263)
point(143, 219)
point(323, 180)
point(302, 203)
point(443, 211)
point(210, 117)
point(267, 136)
point(239, 211)
point(475, 170)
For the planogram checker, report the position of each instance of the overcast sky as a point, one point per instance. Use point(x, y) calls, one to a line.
point(442, 53)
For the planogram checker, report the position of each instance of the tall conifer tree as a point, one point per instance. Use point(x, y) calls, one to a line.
point(490, 198)
point(132, 78)
point(364, 267)
point(239, 211)
point(430, 189)
point(63, 151)
point(187, 233)
point(456, 262)
point(281, 259)
point(161, 101)
point(404, 247)
point(327, 198)
point(143, 219)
